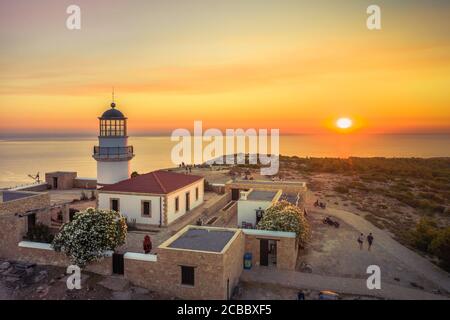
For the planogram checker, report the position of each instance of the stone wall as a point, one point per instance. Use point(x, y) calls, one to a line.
point(36, 187)
point(225, 216)
point(13, 227)
point(59, 259)
point(213, 207)
point(287, 250)
point(164, 276)
point(65, 179)
point(85, 183)
point(233, 261)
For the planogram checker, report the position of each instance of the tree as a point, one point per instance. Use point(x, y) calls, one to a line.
point(283, 216)
point(134, 174)
point(440, 246)
point(90, 234)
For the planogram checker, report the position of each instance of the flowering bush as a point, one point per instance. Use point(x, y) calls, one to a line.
point(283, 216)
point(89, 234)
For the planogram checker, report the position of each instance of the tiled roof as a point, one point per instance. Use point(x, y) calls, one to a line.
point(157, 182)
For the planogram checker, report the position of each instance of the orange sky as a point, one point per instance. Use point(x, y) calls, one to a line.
point(270, 64)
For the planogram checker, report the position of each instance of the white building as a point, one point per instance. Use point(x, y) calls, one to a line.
point(156, 198)
point(251, 201)
point(113, 154)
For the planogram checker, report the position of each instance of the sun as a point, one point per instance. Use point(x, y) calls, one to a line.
point(344, 123)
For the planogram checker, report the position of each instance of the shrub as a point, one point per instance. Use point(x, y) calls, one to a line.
point(440, 246)
point(424, 234)
point(284, 216)
point(89, 234)
point(40, 233)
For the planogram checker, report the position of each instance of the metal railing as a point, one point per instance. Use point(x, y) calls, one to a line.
point(113, 152)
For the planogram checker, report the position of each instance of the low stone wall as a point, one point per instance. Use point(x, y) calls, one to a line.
point(37, 187)
point(42, 253)
point(84, 183)
point(217, 205)
point(287, 249)
point(225, 216)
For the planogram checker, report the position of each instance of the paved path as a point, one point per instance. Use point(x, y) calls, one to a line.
point(299, 280)
point(421, 265)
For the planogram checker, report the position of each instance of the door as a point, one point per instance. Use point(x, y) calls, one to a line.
point(31, 221)
point(118, 263)
point(235, 194)
point(263, 252)
point(55, 182)
point(188, 202)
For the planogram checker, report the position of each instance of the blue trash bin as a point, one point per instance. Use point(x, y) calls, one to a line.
point(248, 261)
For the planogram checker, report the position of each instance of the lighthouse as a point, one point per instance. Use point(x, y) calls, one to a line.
point(113, 154)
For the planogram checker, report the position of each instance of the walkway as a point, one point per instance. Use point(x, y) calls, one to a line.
point(421, 265)
point(298, 280)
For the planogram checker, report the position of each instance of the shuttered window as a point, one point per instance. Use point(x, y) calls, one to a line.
point(146, 208)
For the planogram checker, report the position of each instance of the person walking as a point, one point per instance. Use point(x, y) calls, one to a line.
point(370, 240)
point(361, 241)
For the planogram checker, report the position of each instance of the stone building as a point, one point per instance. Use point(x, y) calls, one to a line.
point(19, 211)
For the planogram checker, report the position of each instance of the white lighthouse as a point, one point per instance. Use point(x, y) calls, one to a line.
point(113, 154)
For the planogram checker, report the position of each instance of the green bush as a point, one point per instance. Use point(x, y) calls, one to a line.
point(440, 246)
point(90, 234)
point(283, 216)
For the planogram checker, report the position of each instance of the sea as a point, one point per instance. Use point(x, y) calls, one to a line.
point(20, 157)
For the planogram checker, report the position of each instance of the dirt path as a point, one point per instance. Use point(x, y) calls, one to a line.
point(298, 280)
point(421, 265)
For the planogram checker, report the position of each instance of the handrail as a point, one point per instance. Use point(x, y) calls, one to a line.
point(112, 152)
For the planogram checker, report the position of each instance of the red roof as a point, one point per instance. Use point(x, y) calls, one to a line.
point(157, 182)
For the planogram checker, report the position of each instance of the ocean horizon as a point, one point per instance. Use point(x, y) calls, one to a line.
point(21, 156)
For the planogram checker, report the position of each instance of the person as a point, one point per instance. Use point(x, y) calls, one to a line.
point(370, 240)
point(147, 244)
point(361, 241)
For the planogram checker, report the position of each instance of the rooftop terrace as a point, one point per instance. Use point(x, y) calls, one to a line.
point(6, 196)
point(203, 239)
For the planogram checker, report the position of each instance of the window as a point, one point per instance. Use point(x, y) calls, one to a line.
point(177, 204)
point(114, 205)
point(196, 193)
point(187, 276)
point(146, 210)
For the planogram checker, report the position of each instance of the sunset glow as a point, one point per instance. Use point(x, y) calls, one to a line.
point(174, 62)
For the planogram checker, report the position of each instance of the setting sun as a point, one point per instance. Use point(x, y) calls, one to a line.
point(344, 123)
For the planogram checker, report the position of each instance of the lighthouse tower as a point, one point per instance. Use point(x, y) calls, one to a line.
point(113, 154)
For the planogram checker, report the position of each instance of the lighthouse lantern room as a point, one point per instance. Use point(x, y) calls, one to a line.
point(113, 154)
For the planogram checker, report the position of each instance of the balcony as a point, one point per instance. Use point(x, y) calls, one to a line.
point(113, 153)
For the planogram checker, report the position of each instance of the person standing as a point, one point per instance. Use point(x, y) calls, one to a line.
point(370, 240)
point(361, 241)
